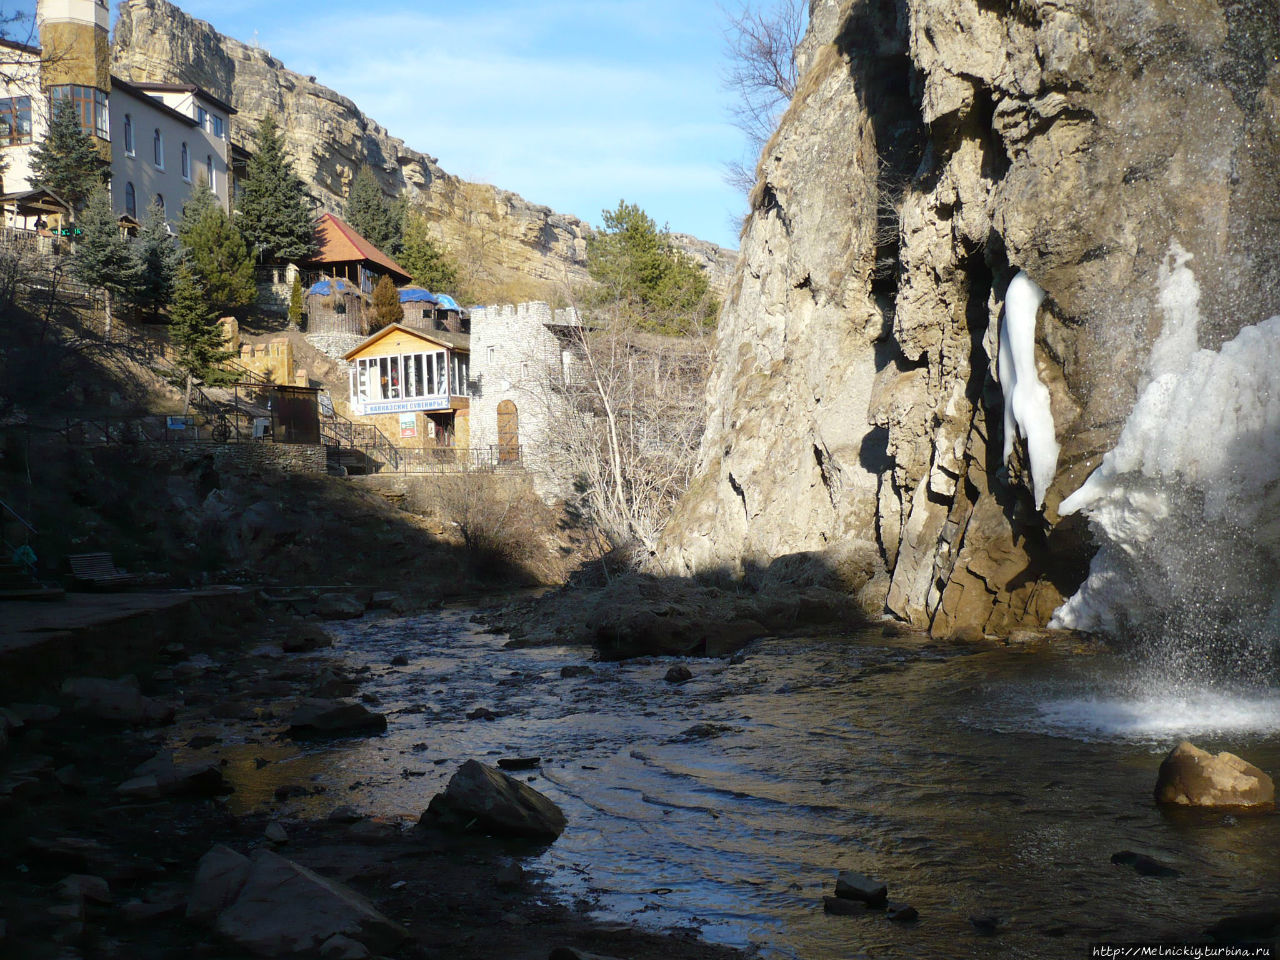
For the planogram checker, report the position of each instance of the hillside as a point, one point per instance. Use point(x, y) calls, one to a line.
point(530, 246)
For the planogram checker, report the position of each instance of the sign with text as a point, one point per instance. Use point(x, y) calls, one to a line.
point(408, 425)
point(405, 406)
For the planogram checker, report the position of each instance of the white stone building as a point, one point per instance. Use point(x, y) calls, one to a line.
point(522, 358)
point(161, 139)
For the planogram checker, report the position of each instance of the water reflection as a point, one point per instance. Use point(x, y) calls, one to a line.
point(972, 782)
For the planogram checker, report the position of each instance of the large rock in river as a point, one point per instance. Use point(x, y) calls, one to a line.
point(1193, 777)
point(333, 718)
point(496, 803)
point(284, 909)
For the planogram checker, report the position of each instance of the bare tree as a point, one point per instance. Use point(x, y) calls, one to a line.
point(761, 47)
point(628, 415)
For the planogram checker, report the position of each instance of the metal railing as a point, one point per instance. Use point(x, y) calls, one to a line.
point(490, 459)
point(364, 438)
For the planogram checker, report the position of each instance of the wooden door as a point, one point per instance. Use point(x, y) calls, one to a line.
point(508, 432)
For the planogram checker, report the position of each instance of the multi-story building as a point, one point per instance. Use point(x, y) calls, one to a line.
point(160, 138)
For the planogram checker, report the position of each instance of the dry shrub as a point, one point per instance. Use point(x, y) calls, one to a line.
point(501, 523)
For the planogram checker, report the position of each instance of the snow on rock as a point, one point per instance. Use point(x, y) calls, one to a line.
point(1026, 398)
point(1187, 504)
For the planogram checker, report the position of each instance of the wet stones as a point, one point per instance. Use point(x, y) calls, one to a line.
point(482, 713)
point(304, 637)
point(170, 780)
point(575, 670)
point(1193, 777)
point(1259, 924)
point(679, 674)
point(333, 718)
point(118, 700)
point(338, 606)
point(851, 885)
point(519, 763)
point(486, 799)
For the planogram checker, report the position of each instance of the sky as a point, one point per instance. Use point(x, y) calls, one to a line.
point(575, 104)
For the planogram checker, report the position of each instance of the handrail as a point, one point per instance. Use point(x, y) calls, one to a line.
point(361, 436)
point(17, 516)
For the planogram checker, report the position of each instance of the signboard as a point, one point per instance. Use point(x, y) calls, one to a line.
point(405, 406)
point(179, 423)
point(326, 406)
point(408, 425)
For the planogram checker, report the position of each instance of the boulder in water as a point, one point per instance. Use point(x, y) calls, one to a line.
point(495, 803)
point(331, 718)
point(1193, 777)
point(851, 885)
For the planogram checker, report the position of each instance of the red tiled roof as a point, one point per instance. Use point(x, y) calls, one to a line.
point(339, 243)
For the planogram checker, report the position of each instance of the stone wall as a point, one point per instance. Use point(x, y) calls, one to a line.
point(517, 358)
point(287, 457)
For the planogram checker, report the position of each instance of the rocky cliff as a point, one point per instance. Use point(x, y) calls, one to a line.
point(934, 149)
point(522, 246)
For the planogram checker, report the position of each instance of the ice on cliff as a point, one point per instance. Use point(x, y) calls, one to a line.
point(1187, 504)
point(1026, 399)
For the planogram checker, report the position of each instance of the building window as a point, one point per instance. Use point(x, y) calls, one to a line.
point(15, 121)
point(209, 174)
point(89, 103)
point(493, 355)
point(219, 127)
point(160, 203)
point(128, 135)
point(157, 148)
point(186, 164)
point(202, 118)
point(130, 201)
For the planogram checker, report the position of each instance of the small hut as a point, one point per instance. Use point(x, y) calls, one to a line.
point(424, 310)
point(335, 305)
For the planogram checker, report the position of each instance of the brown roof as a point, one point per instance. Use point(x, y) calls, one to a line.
point(454, 341)
point(339, 243)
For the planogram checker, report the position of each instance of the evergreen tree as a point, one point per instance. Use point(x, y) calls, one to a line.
point(103, 258)
point(375, 217)
point(638, 267)
point(274, 212)
point(295, 301)
point(197, 337)
point(429, 265)
point(155, 258)
point(387, 308)
point(216, 252)
point(67, 161)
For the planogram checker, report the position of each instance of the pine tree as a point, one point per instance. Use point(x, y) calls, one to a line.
point(429, 265)
point(295, 302)
point(640, 269)
point(198, 339)
point(375, 217)
point(67, 161)
point(103, 257)
point(274, 212)
point(155, 258)
point(216, 252)
point(387, 308)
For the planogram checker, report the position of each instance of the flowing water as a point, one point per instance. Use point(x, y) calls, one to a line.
point(992, 782)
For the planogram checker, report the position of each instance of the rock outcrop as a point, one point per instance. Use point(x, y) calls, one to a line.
point(527, 247)
point(933, 150)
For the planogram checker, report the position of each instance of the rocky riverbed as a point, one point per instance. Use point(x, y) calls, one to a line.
point(159, 816)
point(1000, 794)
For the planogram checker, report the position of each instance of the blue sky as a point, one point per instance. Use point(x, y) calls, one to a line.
point(571, 103)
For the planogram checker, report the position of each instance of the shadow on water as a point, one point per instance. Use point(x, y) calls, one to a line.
point(973, 782)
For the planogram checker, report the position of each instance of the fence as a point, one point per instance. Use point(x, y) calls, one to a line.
point(489, 459)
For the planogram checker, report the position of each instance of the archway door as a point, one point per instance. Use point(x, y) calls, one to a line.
point(508, 432)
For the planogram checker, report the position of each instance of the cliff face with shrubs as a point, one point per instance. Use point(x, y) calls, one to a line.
point(934, 149)
point(529, 246)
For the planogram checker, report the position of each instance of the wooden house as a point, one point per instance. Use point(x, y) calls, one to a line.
point(414, 385)
point(335, 305)
point(343, 253)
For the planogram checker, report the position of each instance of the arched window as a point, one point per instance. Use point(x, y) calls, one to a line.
point(157, 144)
point(160, 203)
point(130, 201)
point(128, 135)
point(508, 433)
point(186, 163)
point(208, 169)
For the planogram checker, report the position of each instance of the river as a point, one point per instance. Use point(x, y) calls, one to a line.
point(974, 781)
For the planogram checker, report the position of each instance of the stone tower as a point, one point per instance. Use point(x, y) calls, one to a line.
point(75, 42)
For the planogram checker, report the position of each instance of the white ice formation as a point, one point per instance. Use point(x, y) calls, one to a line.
point(1187, 504)
point(1026, 399)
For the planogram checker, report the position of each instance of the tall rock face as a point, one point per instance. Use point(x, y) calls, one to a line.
point(526, 247)
point(934, 148)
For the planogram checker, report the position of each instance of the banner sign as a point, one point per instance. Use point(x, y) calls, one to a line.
point(405, 406)
point(408, 425)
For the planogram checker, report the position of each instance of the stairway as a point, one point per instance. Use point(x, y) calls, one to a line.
point(17, 584)
point(345, 462)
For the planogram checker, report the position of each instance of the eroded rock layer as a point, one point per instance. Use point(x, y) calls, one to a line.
point(527, 246)
point(934, 149)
